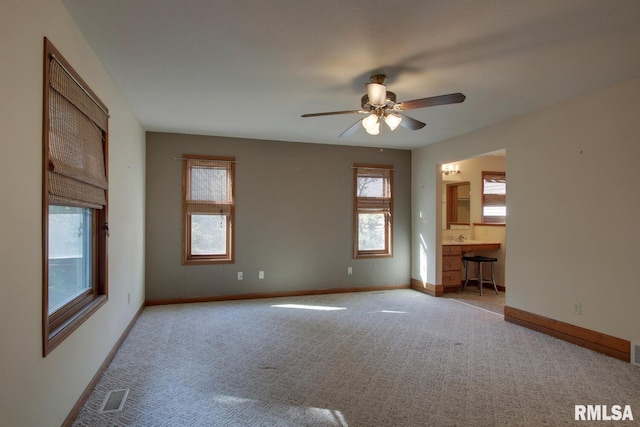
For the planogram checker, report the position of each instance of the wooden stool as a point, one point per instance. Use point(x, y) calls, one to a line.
point(479, 260)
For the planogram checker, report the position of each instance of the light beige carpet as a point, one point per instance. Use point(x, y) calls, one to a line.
point(391, 358)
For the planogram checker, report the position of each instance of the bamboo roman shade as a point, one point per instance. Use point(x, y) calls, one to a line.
point(373, 189)
point(77, 129)
point(208, 187)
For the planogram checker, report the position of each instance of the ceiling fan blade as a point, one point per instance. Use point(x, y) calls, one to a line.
point(411, 123)
point(351, 129)
point(452, 98)
point(332, 113)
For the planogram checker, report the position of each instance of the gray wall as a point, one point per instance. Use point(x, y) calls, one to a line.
point(294, 207)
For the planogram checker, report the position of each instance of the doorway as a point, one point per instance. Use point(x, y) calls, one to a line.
point(465, 204)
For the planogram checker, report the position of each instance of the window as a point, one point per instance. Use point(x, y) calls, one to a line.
point(74, 200)
point(208, 207)
point(494, 197)
point(373, 210)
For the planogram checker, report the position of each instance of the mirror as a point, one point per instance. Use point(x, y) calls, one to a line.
point(458, 202)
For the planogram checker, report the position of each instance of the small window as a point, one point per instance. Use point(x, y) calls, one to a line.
point(74, 200)
point(373, 194)
point(494, 197)
point(208, 209)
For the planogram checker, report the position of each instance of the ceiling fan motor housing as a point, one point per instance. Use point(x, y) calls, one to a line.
point(368, 106)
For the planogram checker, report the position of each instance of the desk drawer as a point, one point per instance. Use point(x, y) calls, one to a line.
point(451, 278)
point(450, 263)
point(451, 250)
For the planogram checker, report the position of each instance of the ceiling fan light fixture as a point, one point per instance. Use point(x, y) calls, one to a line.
point(392, 120)
point(377, 94)
point(371, 124)
point(370, 121)
point(374, 130)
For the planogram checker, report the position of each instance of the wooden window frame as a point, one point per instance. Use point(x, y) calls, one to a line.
point(229, 256)
point(57, 326)
point(492, 220)
point(387, 252)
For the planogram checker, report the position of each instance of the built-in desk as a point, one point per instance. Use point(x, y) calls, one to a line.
point(452, 252)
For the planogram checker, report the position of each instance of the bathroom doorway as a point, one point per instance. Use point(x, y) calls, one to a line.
point(485, 176)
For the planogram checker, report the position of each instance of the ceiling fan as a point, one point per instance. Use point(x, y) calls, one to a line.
point(380, 105)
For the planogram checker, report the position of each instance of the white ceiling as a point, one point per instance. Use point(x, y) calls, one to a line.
point(250, 68)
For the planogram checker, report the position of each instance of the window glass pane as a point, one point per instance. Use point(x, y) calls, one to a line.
point(69, 254)
point(371, 232)
point(209, 234)
point(497, 211)
point(209, 183)
point(369, 186)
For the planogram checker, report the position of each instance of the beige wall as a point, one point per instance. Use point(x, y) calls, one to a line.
point(294, 205)
point(37, 391)
point(571, 226)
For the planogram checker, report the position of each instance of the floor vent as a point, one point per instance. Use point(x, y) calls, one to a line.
point(635, 354)
point(114, 401)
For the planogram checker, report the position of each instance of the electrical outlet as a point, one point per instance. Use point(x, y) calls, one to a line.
point(577, 308)
point(261, 275)
point(349, 270)
point(240, 276)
